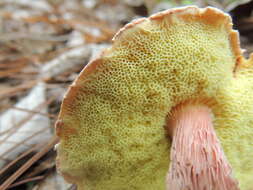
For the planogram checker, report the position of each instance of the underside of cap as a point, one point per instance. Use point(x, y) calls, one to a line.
point(209, 15)
point(112, 119)
point(143, 26)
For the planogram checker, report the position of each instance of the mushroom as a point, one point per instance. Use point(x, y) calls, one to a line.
point(168, 106)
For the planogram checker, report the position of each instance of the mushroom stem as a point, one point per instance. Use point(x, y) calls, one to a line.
point(197, 159)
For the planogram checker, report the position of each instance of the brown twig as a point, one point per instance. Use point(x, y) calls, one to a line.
point(8, 92)
point(26, 181)
point(5, 168)
point(22, 142)
point(22, 122)
point(32, 111)
point(33, 36)
point(29, 163)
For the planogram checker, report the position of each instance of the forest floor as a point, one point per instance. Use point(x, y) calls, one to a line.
point(44, 44)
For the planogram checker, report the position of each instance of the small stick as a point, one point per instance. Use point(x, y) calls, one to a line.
point(32, 111)
point(29, 163)
point(17, 159)
point(26, 181)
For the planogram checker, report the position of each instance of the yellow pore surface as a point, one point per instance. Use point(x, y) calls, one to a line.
point(112, 121)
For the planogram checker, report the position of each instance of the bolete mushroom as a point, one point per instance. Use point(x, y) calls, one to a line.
point(168, 106)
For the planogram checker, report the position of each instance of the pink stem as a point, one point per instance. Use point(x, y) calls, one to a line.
point(197, 159)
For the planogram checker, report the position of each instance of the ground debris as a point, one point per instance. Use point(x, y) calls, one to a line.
point(44, 44)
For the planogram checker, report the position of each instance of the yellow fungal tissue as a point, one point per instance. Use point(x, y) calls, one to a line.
point(113, 117)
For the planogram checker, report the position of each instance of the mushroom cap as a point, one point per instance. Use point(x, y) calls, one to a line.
point(112, 119)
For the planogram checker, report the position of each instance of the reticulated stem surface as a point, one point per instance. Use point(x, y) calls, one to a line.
point(197, 159)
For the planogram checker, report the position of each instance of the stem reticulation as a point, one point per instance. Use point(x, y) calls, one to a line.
point(197, 159)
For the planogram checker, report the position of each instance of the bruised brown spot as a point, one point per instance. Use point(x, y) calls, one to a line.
point(235, 44)
point(197, 159)
point(69, 132)
point(238, 65)
point(58, 127)
point(62, 130)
